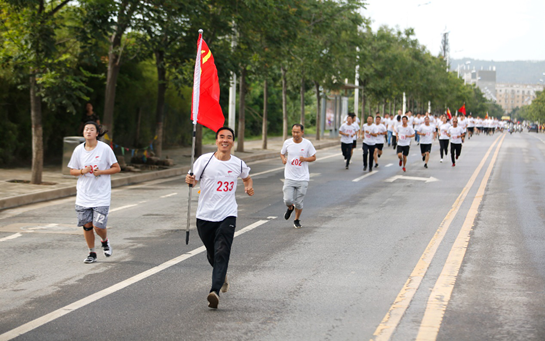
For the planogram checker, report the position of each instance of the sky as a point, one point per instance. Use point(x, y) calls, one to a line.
point(497, 30)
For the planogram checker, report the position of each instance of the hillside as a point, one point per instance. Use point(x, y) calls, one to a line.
point(525, 72)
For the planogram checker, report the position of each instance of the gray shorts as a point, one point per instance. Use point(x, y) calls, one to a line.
point(97, 215)
point(294, 192)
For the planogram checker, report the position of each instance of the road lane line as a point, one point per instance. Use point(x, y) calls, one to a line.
point(364, 176)
point(389, 165)
point(25, 328)
point(394, 315)
point(168, 195)
point(13, 236)
point(442, 291)
point(281, 168)
point(122, 207)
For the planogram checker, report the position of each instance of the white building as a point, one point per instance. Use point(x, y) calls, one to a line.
point(511, 96)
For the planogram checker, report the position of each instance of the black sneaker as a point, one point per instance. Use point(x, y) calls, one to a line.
point(425, 165)
point(107, 248)
point(91, 258)
point(376, 165)
point(288, 213)
point(297, 224)
point(213, 300)
point(364, 168)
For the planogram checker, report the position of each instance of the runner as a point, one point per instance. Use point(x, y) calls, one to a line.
point(386, 122)
point(381, 133)
point(300, 152)
point(479, 125)
point(455, 134)
point(428, 134)
point(470, 126)
point(217, 207)
point(418, 121)
point(93, 162)
point(348, 130)
point(443, 137)
point(463, 124)
point(369, 132)
point(395, 123)
point(404, 134)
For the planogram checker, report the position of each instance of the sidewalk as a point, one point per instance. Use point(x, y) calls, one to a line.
point(58, 186)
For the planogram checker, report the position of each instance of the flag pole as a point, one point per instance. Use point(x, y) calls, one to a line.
point(196, 94)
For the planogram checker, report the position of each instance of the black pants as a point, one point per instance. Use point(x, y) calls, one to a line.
point(443, 146)
point(394, 141)
point(368, 151)
point(217, 237)
point(455, 151)
point(346, 149)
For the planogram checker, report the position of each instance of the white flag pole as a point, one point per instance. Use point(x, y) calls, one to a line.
point(196, 94)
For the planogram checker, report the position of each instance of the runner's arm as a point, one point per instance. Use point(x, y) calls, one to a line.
point(113, 169)
point(248, 185)
point(308, 159)
point(284, 159)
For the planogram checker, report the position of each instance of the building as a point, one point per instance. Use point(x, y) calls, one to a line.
point(511, 96)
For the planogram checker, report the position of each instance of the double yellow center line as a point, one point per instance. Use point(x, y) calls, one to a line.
point(442, 291)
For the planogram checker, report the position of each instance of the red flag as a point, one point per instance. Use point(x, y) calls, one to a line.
point(463, 109)
point(448, 114)
point(206, 90)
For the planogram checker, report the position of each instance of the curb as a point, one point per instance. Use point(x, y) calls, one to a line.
point(68, 191)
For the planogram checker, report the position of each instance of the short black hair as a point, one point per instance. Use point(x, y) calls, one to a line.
point(351, 114)
point(225, 128)
point(97, 126)
point(298, 125)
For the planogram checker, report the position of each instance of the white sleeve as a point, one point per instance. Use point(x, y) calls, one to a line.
point(74, 159)
point(284, 148)
point(311, 149)
point(245, 170)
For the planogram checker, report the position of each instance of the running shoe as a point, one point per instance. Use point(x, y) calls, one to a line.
point(453, 165)
point(106, 247)
point(404, 169)
point(400, 162)
point(297, 224)
point(213, 300)
point(346, 167)
point(288, 213)
point(364, 168)
point(91, 258)
point(376, 165)
point(225, 286)
point(425, 165)
point(441, 161)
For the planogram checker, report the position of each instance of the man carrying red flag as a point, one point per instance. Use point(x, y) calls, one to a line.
point(449, 114)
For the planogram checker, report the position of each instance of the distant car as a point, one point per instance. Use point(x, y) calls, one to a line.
point(533, 127)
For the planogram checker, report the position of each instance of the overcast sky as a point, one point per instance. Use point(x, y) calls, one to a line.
point(497, 30)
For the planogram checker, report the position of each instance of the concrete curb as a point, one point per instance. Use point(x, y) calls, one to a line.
point(68, 191)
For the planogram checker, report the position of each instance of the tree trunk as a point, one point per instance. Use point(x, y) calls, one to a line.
point(111, 81)
point(264, 124)
point(394, 112)
point(390, 107)
point(37, 133)
point(318, 111)
point(383, 106)
point(160, 109)
point(284, 105)
point(198, 140)
point(302, 101)
point(363, 100)
point(137, 138)
point(241, 110)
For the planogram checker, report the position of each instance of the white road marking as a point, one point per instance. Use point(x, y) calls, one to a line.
point(389, 165)
point(13, 236)
point(168, 195)
point(394, 178)
point(25, 328)
point(122, 207)
point(364, 176)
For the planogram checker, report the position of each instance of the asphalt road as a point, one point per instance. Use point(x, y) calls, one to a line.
point(447, 253)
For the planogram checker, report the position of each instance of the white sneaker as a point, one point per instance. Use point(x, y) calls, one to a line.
point(107, 248)
point(225, 286)
point(441, 161)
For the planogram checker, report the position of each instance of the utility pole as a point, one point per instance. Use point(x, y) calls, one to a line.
point(445, 48)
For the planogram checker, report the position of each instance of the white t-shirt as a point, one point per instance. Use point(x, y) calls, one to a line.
point(455, 134)
point(295, 169)
point(218, 186)
point(357, 127)
point(428, 130)
point(93, 191)
point(470, 122)
point(463, 124)
point(417, 122)
point(443, 130)
point(390, 124)
point(380, 138)
point(402, 133)
point(369, 139)
point(351, 130)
